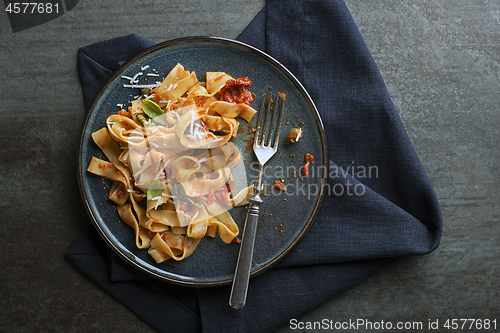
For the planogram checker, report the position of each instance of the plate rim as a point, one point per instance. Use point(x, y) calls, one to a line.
point(245, 47)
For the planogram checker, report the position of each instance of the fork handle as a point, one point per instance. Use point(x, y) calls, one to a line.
point(239, 289)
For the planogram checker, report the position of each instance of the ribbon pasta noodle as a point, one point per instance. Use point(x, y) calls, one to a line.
point(171, 161)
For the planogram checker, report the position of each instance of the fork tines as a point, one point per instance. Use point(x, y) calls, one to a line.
point(269, 120)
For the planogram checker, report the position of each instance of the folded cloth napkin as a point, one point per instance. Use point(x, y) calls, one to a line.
point(354, 236)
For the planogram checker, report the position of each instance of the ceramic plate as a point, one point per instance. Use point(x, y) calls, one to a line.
point(285, 216)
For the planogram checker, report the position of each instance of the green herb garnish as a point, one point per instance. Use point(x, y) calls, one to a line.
point(155, 189)
point(179, 192)
point(197, 204)
point(143, 120)
point(153, 111)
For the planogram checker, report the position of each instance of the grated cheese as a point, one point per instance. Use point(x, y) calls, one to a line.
point(127, 78)
point(136, 75)
point(141, 85)
point(132, 79)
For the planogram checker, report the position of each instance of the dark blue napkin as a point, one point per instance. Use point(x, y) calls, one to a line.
point(387, 212)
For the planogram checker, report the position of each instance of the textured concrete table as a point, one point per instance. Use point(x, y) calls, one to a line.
point(441, 62)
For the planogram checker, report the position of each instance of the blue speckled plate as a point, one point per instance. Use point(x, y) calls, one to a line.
point(286, 216)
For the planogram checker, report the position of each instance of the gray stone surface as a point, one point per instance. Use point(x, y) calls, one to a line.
point(440, 61)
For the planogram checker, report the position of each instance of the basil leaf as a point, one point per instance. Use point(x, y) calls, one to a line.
point(155, 189)
point(197, 204)
point(143, 120)
point(183, 196)
point(153, 111)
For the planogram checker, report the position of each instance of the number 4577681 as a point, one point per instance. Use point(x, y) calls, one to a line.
point(470, 324)
point(32, 8)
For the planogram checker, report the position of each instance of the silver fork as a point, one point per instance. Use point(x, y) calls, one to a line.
point(264, 151)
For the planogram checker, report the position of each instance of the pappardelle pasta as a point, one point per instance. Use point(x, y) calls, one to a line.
point(172, 148)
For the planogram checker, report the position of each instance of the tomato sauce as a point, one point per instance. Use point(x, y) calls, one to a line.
point(279, 186)
point(308, 159)
point(235, 91)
